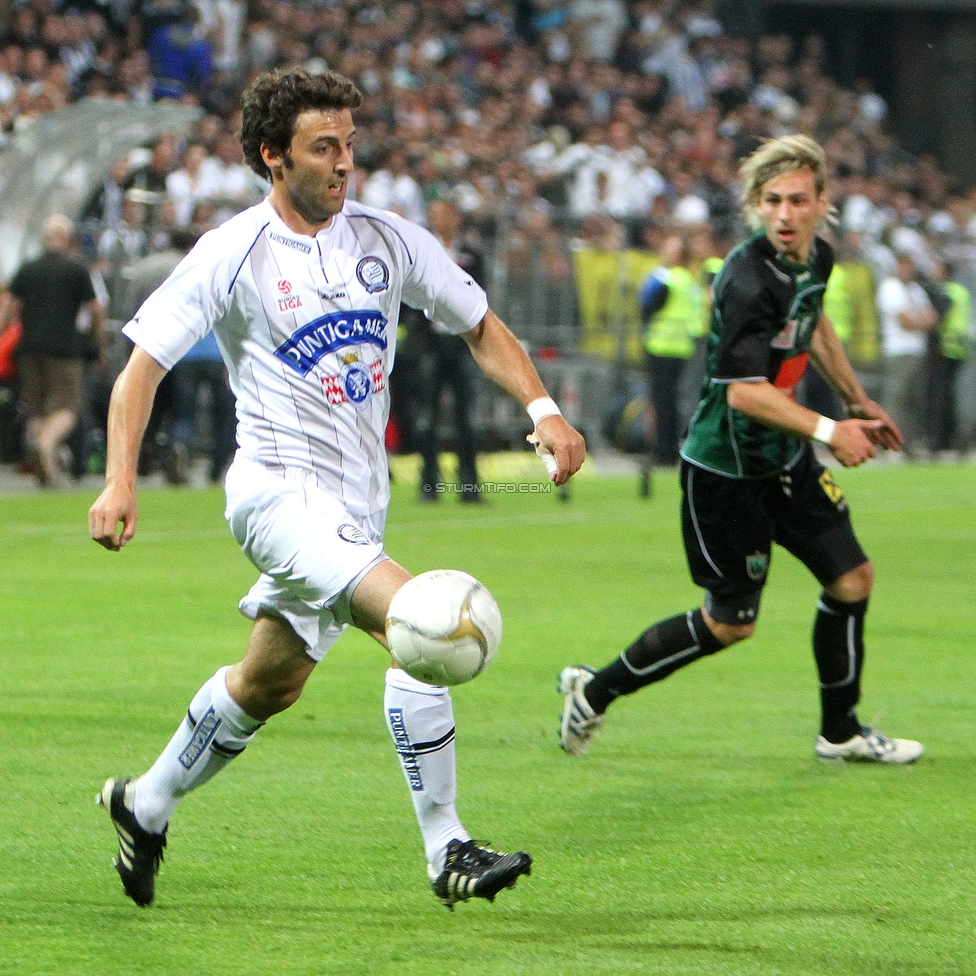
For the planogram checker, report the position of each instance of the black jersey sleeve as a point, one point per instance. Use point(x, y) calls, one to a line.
point(748, 315)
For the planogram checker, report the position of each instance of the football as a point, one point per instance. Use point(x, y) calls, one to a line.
point(443, 627)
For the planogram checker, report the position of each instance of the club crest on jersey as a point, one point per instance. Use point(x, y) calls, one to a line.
point(355, 384)
point(329, 333)
point(373, 274)
point(756, 565)
point(353, 534)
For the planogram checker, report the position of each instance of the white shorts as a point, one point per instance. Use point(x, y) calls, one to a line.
point(310, 551)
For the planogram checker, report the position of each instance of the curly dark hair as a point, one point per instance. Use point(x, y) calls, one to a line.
point(274, 100)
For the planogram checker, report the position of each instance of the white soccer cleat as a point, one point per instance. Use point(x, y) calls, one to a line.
point(871, 745)
point(578, 723)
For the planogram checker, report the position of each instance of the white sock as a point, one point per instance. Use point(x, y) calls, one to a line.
point(216, 730)
point(421, 721)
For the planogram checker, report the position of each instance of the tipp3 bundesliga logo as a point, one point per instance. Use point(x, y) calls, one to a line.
point(329, 333)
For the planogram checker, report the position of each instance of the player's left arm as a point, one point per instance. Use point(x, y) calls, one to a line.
point(502, 359)
point(830, 358)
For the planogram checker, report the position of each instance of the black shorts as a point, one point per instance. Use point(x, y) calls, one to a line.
point(730, 524)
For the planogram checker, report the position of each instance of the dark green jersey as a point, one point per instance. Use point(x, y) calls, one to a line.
point(763, 317)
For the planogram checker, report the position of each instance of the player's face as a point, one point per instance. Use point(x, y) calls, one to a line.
point(791, 210)
point(313, 175)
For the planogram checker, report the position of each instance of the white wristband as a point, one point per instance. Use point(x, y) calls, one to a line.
point(824, 430)
point(542, 407)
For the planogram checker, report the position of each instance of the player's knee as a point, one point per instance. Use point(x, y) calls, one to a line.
point(282, 695)
point(728, 634)
point(854, 585)
point(274, 696)
point(262, 693)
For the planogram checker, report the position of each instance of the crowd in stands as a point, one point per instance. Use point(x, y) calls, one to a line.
point(553, 125)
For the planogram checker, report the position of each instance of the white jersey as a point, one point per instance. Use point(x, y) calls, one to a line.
point(307, 327)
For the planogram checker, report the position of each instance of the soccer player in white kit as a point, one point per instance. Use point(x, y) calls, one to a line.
point(302, 293)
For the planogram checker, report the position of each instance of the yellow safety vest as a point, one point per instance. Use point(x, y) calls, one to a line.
point(672, 331)
point(954, 328)
point(837, 303)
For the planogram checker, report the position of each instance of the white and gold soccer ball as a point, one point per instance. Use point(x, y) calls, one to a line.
point(443, 627)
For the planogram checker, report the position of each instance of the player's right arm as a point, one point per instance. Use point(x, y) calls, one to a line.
point(128, 415)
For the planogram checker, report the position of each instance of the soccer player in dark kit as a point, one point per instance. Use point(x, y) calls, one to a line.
point(749, 475)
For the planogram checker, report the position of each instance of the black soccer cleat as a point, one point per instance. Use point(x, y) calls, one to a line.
point(140, 852)
point(471, 871)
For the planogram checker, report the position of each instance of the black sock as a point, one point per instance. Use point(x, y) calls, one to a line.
point(838, 649)
point(660, 650)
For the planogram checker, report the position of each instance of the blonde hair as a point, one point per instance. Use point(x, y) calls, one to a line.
point(787, 154)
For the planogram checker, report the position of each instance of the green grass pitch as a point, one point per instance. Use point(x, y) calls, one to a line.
point(701, 836)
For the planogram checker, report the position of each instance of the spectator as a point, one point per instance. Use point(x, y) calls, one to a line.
point(630, 182)
point(11, 412)
point(11, 62)
point(122, 243)
point(672, 306)
point(948, 350)
point(150, 176)
point(77, 50)
point(581, 165)
point(103, 209)
point(201, 370)
point(179, 56)
point(188, 184)
point(134, 78)
point(393, 188)
point(444, 362)
point(222, 22)
point(907, 316)
point(228, 184)
point(46, 295)
point(603, 22)
point(688, 206)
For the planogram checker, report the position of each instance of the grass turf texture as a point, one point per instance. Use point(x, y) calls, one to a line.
point(701, 836)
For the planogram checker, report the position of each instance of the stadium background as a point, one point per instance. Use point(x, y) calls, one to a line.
point(898, 78)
